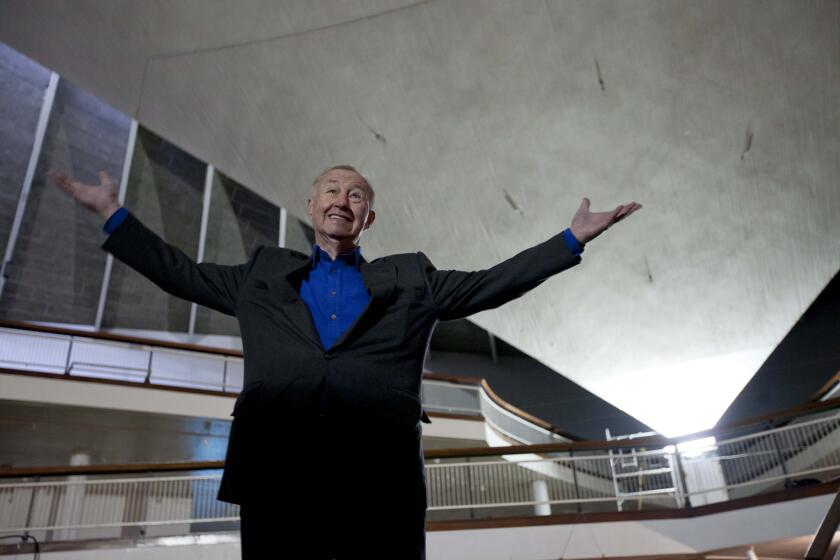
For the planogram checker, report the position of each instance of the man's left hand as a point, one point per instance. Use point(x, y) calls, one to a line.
point(587, 225)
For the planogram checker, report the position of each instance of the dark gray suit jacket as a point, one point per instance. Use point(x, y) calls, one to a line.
point(373, 371)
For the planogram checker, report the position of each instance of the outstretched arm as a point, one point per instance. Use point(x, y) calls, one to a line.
point(460, 294)
point(212, 285)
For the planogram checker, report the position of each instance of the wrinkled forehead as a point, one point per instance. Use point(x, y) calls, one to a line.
point(342, 176)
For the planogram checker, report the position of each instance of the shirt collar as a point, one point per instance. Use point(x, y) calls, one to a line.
point(351, 258)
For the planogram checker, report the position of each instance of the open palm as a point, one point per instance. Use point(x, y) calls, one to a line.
point(587, 225)
point(101, 198)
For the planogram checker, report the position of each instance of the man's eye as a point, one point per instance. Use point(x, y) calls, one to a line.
point(357, 196)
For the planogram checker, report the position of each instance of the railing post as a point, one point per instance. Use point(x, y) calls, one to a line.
point(779, 456)
point(69, 353)
point(618, 501)
point(679, 491)
point(470, 489)
point(224, 375)
point(31, 507)
point(148, 379)
point(575, 481)
point(144, 515)
point(681, 478)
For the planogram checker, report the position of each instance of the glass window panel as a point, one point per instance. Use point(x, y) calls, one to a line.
point(22, 87)
point(57, 266)
point(239, 221)
point(299, 235)
point(164, 191)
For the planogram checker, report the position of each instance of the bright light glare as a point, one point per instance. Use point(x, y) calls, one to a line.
point(692, 448)
point(683, 398)
point(191, 540)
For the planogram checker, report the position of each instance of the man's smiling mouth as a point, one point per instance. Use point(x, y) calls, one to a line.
point(338, 217)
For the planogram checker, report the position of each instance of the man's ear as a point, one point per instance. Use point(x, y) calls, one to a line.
point(371, 218)
point(309, 207)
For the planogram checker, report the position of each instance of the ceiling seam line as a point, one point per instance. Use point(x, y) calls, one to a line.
point(284, 36)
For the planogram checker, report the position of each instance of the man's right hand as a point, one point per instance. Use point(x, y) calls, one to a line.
point(101, 198)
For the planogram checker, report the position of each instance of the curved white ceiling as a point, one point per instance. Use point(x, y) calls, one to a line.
point(483, 123)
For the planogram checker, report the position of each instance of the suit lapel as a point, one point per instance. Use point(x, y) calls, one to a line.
point(285, 288)
point(380, 279)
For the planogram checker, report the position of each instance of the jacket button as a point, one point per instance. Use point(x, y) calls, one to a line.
point(328, 356)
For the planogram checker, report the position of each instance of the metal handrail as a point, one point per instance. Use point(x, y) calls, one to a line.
point(430, 454)
point(498, 486)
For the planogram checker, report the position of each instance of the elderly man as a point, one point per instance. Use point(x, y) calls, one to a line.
point(324, 455)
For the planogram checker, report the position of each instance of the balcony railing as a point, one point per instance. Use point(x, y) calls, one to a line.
point(118, 358)
point(553, 476)
point(517, 481)
point(112, 507)
point(126, 359)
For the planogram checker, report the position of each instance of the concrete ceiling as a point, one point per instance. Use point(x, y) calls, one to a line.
point(482, 124)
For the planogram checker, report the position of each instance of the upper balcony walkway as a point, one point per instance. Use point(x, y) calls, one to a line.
point(149, 375)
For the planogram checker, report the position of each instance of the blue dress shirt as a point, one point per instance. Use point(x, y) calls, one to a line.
point(334, 293)
point(575, 246)
point(115, 220)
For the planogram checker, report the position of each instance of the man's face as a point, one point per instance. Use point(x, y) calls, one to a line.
point(340, 205)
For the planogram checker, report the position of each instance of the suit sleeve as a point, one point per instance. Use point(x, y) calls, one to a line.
point(212, 285)
point(458, 294)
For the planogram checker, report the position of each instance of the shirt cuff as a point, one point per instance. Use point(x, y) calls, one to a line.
point(115, 220)
point(575, 246)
